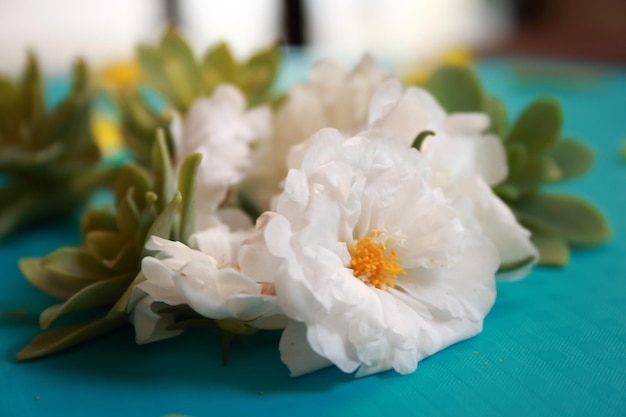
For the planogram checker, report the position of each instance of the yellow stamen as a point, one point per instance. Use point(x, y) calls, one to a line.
point(373, 263)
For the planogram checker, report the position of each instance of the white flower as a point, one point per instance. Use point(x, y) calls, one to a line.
point(466, 162)
point(332, 98)
point(376, 268)
point(222, 130)
point(208, 279)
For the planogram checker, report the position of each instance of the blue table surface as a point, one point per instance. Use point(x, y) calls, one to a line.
point(554, 343)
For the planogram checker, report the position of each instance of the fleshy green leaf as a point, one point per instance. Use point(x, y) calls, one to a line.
point(105, 245)
point(186, 187)
point(59, 339)
point(162, 170)
point(497, 113)
point(419, 139)
point(234, 326)
point(57, 286)
point(538, 169)
point(507, 192)
point(573, 158)
point(98, 218)
point(147, 217)
point(218, 66)
point(258, 73)
point(564, 216)
point(538, 126)
point(98, 294)
point(180, 66)
point(553, 251)
point(128, 214)
point(126, 259)
point(32, 102)
point(457, 89)
point(512, 266)
point(119, 308)
point(517, 158)
point(164, 224)
point(74, 263)
point(153, 70)
point(132, 176)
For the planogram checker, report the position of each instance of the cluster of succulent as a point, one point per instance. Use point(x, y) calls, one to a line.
point(172, 70)
point(48, 159)
point(537, 155)
point(97, 276)
point(51, 155)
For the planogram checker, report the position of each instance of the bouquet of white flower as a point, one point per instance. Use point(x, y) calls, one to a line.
point(355, 215)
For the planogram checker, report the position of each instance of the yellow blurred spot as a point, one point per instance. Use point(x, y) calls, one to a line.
point(106, 133)
point(419, 74)
point(120, 75)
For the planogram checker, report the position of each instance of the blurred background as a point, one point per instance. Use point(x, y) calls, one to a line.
point(405, 31)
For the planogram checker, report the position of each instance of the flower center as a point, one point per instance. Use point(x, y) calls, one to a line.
point(373, 263)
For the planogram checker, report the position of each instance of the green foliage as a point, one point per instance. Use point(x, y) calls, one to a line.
point(99, 274)
point(172, 70)
point(48, 160)
point(537, 154)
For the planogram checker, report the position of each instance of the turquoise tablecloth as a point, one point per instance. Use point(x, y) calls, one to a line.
point(554, 344)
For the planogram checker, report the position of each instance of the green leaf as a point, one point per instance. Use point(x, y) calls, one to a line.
point(98, 294)
point(16, 209)
point(57, 286)
point(153, 69)
point(234, 326)
point(98, 218)
point(73, 262)
point(517, 158)
point(80, 77)
point(128, 214)
point(573, 158)
point(146, 218)
point(512, 266)
point(538, 169)
point(163, 225)
point(457, 89)
point(59, 339)
point(419, 139)
point(180, 66)
point(162, 171)
point(497, 113)
point(126, 259)
point(218, 66)
point(92, 179)
point(248, 205)
point(132, 176)
point(187, 187)
point(259, 72)
point(32, 102)
point(119, 308)
point(140, 123)
point(564, 216)
point(538, 126)
point(507, 191)
point(553, 251)
point(105, 245)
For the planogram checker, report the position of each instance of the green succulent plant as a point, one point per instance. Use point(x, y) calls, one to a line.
point(96, 277)
point(48, 159)
point(172, 70)
point(537, 155)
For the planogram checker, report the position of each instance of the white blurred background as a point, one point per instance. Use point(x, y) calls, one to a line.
point(104, 31)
